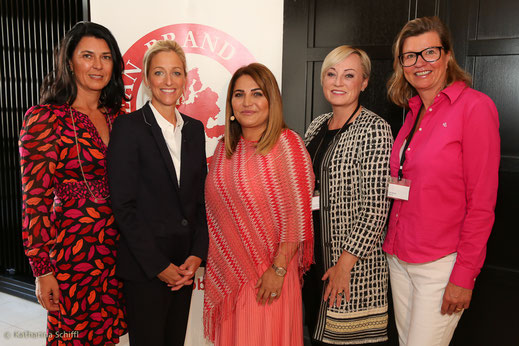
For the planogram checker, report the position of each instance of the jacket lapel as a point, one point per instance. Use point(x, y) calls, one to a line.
point(149, 119)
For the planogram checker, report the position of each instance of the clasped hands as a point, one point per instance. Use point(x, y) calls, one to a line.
point(178, 276)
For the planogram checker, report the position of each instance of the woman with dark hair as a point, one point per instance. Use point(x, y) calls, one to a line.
point(68, 226)
point(258, 195)
point(444, 169)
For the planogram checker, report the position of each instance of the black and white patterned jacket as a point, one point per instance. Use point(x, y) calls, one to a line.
point(354, 211)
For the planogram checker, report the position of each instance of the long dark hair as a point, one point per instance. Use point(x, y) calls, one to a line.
point(59, 86)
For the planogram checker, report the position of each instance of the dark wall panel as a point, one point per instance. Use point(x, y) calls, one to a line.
point(358, 22)
point(425, 8)
point(319, 103)
point(30, 30)
point(506, 27)
point(498, 77)
point(375, 95)
point(502, 245)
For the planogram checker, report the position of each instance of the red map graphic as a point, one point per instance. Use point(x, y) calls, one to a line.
point(203, 107)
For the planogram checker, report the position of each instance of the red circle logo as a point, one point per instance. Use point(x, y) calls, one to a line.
point(212, 57)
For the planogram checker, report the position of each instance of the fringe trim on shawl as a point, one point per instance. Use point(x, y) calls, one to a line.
point(222, 310)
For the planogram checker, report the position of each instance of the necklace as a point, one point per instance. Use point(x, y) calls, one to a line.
point(79, 156)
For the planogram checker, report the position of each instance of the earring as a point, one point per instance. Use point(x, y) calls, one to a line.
point(232, 118)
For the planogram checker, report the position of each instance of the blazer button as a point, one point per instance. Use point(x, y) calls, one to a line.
point(184, 222)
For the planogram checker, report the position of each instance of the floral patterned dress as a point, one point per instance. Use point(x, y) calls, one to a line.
point(68, 226)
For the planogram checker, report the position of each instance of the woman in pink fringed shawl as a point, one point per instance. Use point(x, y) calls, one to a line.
point(258, 198)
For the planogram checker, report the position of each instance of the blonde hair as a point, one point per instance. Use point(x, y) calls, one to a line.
point(399, 89)
point(342, 52)
point(275, 123)
point(163, 46)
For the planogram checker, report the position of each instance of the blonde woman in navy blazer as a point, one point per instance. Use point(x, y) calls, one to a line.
point(157, 168)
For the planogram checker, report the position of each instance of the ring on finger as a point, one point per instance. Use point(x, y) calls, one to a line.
point(459, 309)
point(273, 294)
point(340, 294)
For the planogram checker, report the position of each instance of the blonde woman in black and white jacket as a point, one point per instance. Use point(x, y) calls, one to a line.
point(345, 291)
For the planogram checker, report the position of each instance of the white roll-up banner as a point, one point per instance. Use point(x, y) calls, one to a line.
point(218, 37)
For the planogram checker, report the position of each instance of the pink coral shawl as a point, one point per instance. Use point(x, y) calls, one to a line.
point(254, 202)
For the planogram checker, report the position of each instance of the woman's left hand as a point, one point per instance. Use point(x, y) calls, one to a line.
point(268, 284)
point(455, 299)
point(338, 278)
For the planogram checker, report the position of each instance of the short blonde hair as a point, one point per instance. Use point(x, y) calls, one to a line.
point(163, 46)
point(342, 52)
point(399, 90)
point(275, 125)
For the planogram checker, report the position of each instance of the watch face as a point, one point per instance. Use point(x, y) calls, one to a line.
point(281, 271)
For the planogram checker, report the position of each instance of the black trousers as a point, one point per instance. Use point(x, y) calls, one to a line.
point(156, 315)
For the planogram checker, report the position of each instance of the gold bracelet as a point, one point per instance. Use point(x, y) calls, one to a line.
point(44, 275)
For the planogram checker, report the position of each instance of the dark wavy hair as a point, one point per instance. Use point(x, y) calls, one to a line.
point(59, 86)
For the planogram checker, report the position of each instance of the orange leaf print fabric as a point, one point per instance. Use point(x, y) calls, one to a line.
point(77, 247)
point(68, 231)
point(92, 212)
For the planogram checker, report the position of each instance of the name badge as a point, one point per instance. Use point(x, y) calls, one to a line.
point(398, 189)
point(316, 201)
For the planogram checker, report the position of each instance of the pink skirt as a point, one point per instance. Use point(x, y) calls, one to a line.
point(277, 324)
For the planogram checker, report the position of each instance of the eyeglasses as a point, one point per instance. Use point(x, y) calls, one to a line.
point(430, 54)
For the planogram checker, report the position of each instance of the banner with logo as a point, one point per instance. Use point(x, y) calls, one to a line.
point(218, 37)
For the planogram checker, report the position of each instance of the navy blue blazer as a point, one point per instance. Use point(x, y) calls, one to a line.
point(160, 222)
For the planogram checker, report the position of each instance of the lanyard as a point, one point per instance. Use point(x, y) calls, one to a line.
point(409, 137)
point(322, 131)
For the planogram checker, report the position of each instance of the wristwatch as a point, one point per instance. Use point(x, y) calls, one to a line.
point(280, 271)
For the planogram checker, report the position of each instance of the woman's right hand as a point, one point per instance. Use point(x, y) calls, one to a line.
point(338, 284)
point(173, 275)
point(339, 277)
point(47, 292)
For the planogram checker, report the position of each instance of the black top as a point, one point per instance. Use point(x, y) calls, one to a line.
point(313, 285)
point(317, 148)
